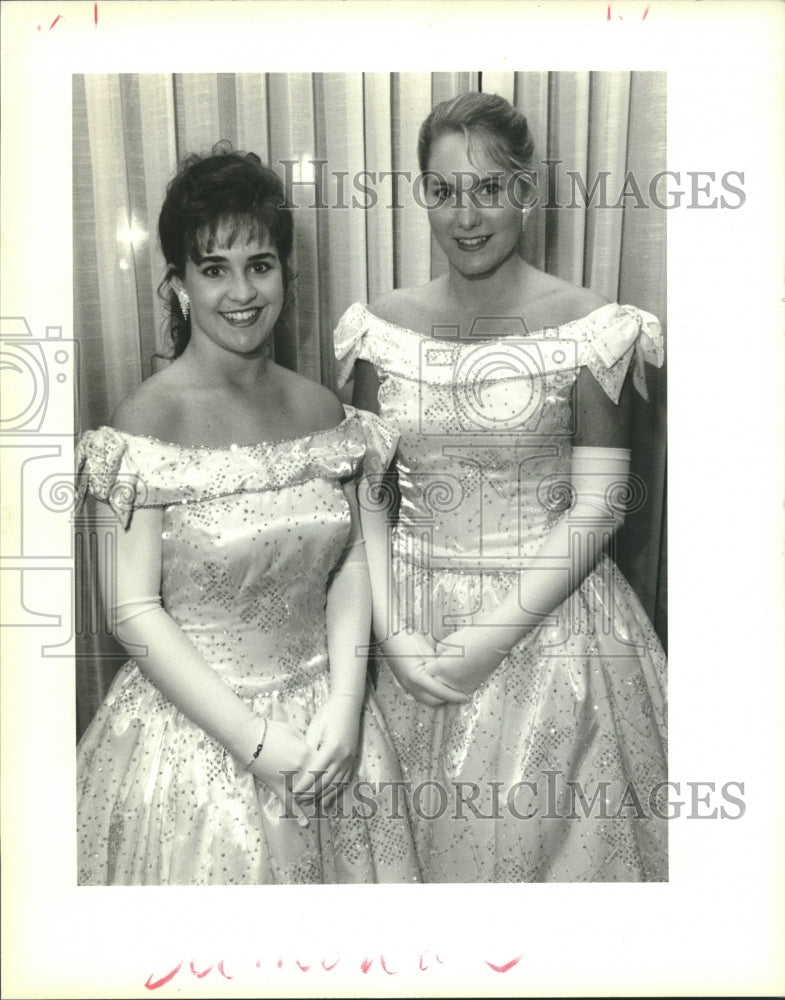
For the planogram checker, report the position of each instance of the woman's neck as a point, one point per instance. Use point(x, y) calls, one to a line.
point(498, 293)
point(215, 368)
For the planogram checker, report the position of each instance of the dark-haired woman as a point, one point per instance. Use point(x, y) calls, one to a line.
point(225, 750)
point(521, 679)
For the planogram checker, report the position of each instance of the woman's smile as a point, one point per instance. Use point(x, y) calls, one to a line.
point(236, 293)
point(471, 243)
point(477, 225)
point(242, 317)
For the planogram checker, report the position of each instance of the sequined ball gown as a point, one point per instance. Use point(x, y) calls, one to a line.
point(555, 769)
point(250, 536)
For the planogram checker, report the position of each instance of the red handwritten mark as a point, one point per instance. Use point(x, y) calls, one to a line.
point(222, 970)
point(154, 985)
point(201, 975)
point(644, 14)
point(424, 968)
point(390, 972)
point(366, 964)
point(608, 15)
point(300, 965)
point(280, 963)
point(504, 968)
point(60, 18)
point(329, 968)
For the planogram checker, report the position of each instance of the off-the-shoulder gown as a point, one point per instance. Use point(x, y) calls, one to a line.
point(555, 769)
point(250, 537)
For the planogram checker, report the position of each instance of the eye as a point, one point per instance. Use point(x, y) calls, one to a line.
point(260, 267)
point(440, 194)
point(491, 186)
point(212, 271)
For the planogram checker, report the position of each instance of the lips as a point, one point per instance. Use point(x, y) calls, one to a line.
point(470, 244)
point(242, 317)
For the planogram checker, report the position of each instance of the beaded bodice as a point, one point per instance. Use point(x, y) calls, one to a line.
point(250, 536)
point(486, 425)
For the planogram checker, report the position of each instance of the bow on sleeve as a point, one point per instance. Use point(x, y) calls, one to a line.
point(103, 469)
point(631, 336)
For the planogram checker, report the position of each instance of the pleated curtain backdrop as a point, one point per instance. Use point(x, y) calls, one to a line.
point(321, 131)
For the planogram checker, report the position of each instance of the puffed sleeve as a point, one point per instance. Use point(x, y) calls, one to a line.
point(617, 337)
point(381, 442)
point(348, 340)
point(362, 442)
point(106, 471)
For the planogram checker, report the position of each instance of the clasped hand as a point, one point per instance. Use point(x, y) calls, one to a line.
point(448, 672)
point(305, 771)
point(331, 739)
point(415, 664)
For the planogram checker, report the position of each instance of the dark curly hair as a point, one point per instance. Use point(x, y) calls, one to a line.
point(501, 128)
point(223, 188)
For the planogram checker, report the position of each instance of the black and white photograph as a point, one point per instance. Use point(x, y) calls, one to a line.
point(518, 684)
point(374, 516)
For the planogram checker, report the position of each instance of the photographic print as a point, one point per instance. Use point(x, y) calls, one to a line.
point(376, 384)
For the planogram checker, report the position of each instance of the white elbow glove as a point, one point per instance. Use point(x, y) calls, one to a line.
point(600, 482)
point(133, 607)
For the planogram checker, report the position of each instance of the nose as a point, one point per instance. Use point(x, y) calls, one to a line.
point(468, 215)
point(241, 289)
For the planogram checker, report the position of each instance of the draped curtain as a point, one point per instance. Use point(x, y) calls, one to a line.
point(320, 131)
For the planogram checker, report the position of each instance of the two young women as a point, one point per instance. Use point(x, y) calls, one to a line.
point(519, 678)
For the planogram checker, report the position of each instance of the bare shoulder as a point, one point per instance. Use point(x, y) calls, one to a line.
point(390, 305)
point(153, 409)
point(583, 301)
point(315, 407)
point(406, 306)
point(555, 301)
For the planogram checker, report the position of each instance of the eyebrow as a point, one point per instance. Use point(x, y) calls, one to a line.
point(434, 177)
point(218, 259)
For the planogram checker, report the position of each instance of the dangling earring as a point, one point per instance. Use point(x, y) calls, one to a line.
point(185, 302)
point(525, 216)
